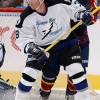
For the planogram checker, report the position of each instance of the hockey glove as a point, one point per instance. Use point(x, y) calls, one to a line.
point(90, 5)
point(85, 16)
point(37, 52)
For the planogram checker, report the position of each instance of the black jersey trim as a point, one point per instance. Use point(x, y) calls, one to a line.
point(24, 14)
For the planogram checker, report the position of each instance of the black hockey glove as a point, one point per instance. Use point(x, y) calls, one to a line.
point(85, 16)
point(36, 51)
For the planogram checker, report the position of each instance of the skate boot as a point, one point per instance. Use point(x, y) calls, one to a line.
point(70, 94)
point(69, 97)
point(44, 95)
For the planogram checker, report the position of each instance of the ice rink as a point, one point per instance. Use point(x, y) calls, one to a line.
point(55, 95)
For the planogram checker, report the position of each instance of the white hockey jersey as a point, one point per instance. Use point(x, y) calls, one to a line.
point(45, 29)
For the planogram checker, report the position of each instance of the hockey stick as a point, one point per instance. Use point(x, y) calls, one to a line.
point(68, 32)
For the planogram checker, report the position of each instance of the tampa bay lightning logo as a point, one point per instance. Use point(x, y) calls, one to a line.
point(46, 32)
point(47, 28)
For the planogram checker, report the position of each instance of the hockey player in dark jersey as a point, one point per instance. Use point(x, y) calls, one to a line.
point(82, 34)
point(31, 36)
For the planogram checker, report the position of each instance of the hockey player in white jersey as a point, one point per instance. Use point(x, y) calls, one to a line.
point(84, 41)
point(38, 30)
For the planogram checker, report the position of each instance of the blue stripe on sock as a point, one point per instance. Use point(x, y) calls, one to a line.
point(24, 88)
point(81, 85)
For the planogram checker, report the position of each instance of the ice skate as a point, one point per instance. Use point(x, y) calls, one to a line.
point(44, 95)
point(69, 97)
